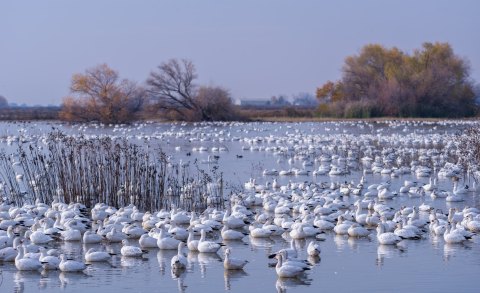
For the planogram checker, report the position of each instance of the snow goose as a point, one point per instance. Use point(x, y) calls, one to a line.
point(90, 237)
point(166, 242)
point(454, 197)
point(115, 235)
point(313, 249)
point(292, 251)
point(287, 271)
point(406, 233)
point(451, 235)
point(38, 237)
point(356, 230)
point(298, 232)
point(93, 255)
point(459, 190)
point(192, 244)
point(131, 251)
point(341, 228)
point(49, 262)
point(26, 264)
point(259, 232)
point(432, 184)
point(67, 265)
point(471, 224)
point(71, 235)
point(8, 238)
point(146, 241)
point(179, 261)
point(387, 238)
point(230, 234)
point(232, 263)
point(207, 246)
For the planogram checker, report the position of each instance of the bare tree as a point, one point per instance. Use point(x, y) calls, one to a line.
point(172, 87)
point(215, 103)
point(3, 102)
point(100, 95)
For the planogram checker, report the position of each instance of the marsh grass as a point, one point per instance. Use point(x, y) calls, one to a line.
point(104, 169)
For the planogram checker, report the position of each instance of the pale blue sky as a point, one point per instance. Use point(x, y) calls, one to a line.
point(255, 48)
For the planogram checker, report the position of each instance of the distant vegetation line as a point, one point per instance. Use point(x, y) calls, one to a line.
point(378, 82)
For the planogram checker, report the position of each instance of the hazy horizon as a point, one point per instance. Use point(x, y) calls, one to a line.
point(256, 49)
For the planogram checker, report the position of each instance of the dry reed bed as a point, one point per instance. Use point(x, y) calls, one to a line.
point(109, 170)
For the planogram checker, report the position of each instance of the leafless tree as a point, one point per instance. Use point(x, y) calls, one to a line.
point(3, 102)
point(215, 103)
point(172, 87)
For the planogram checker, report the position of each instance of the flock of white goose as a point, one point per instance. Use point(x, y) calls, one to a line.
point(294, 210)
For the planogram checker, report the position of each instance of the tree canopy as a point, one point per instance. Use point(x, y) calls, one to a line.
point(430, 82)
point(99, 94)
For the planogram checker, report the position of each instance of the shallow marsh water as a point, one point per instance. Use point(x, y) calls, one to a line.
point(346, 264)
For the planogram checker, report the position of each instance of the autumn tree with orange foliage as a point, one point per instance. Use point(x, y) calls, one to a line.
point(431, 82)
point(100, 95)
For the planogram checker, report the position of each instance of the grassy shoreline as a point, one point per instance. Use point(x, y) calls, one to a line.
point(331, 119)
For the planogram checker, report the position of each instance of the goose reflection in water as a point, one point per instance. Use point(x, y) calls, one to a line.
point(232, 275)
point(300, 243)
point(70, 278)
point(207, 258)
point(179, 275)
point(257, 243)
point(163, 258)
point(314, 259)
point(388, 251)
point(48, 276)
point(71, 248)
point(128, 262)
point(451, 249)
point(283, 284)
point(20, 277)
point(354, 242)
point(340, 241)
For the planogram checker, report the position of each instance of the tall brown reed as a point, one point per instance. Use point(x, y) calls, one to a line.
point(109, 170)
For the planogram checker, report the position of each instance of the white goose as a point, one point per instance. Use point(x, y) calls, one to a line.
point(292, 251)
point(459, 190)
point(93, 255)
point(38, 237)
point(341, 228)
point(287, 271)
point(207, 246)
point(230, 234)
point(166, 242)
point(26, 264)
point(313, 249)
point(192, 244)
point(49, 262)
point(387, 238)
point(9, 254)
point(90, 237)
point(232, 263)
point(146, 241)
point(67, 265)
point(131, 251)
point(451, 235)
point(179, 261)
point(356, 230)
point(8, 238)
point(298, 232)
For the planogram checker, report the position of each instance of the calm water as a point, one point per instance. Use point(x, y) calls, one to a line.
point(346, 264)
